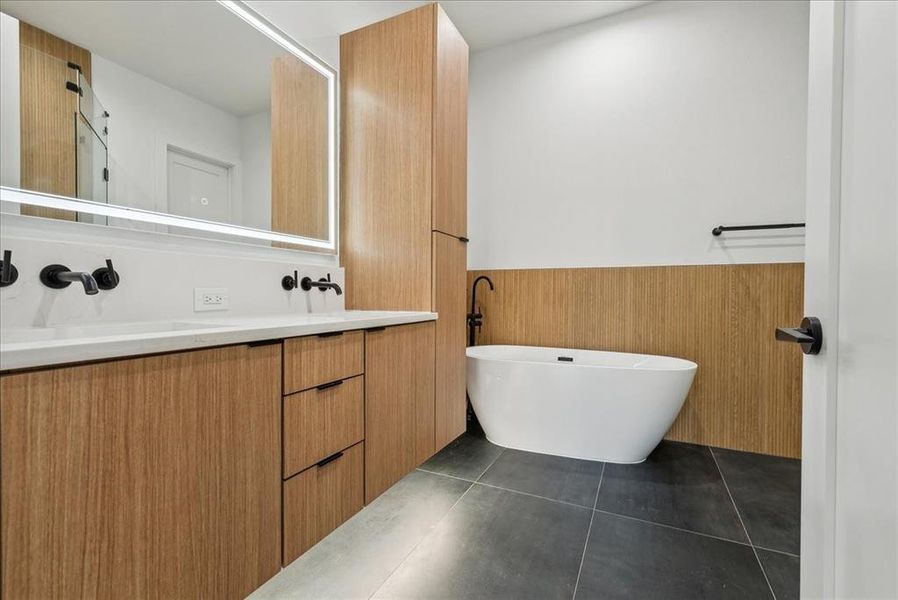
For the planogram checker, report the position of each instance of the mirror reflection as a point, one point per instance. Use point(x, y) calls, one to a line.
point(174, 107)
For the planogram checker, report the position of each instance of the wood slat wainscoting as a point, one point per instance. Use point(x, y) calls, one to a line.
point(747, 391)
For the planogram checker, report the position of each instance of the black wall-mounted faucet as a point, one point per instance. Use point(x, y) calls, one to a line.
point(322, 284)
point(8, 271)
point(60, 276)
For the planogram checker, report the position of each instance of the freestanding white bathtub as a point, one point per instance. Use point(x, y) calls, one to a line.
point(608, 406)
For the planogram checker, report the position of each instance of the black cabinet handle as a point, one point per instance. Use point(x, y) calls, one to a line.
point(809, 335)
point(325, 386)
point(330, 334)
point(374, 329)
point(329, 459)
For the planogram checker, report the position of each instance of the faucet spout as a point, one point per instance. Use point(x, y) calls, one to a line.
point(60, 276)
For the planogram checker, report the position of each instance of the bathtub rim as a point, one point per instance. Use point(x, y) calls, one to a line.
point(677, 363)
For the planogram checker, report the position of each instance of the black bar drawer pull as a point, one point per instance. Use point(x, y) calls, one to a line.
point(329, 459)
point(263, 343)
point(373, 329)
point(330, 334)
point(332, 384)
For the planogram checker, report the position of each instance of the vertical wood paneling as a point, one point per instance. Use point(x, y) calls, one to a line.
point(299, 149)
point(747, 391)
point(48, 115)
point(386, 80)
point(450, 129)
point(449, 264)
point(152, 477)
point(399, 406)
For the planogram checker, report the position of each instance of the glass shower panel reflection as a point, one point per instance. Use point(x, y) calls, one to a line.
point(91, 165)
point(92, 109)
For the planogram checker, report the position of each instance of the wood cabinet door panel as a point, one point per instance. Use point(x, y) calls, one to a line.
point(152, 477)
point(450, 403)
point(399, 365)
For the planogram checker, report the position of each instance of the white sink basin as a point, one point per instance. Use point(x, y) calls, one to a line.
point(68, 332)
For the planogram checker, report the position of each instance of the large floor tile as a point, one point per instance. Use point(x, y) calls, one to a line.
point(354, 560)
point(496, 544)
point(678, 485)
point(767, 492)
point(556, 477)
point(466, 457)
point(783, 571)
point(632, 559)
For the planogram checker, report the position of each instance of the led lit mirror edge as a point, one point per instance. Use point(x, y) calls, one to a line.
point(27, 197)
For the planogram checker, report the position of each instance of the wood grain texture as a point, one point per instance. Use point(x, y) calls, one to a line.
point(450, 129)
point(153, 477)
point(319, 499)
point(450, 404)
point(318, 423)
point(386, 76)
point(399, 407)
point(313, 360)
point(747, 391)
point(47, 116)
point(299, 149)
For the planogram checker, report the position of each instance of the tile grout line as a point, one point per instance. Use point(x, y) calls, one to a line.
point(741, 522)
point(592, 517)
point(415, 547)
point(444, 475)
point(491, 463)
point(783, 552)
point(674, 527)
point(437, 524)
point(528, 494)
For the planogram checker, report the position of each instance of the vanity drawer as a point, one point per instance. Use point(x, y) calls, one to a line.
point(320, 498)
point(312, 360)
point(322, 421)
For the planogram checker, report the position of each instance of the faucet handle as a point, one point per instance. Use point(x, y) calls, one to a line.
point(107, 277)
point(8, 271)
point(290, 282)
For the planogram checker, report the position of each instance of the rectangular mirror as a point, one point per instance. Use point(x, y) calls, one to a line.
point(190, 117)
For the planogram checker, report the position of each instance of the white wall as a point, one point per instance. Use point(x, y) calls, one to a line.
point(623, 141)
point(158, 275)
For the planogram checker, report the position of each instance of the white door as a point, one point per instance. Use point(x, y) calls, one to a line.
point(198, 187)
point(849, 537)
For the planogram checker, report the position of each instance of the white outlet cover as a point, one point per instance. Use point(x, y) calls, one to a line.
point(207, 299)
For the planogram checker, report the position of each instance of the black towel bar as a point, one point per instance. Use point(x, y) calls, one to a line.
point(721, 228)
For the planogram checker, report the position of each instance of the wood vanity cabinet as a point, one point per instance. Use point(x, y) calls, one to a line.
point(146, 477)
point(403, 184)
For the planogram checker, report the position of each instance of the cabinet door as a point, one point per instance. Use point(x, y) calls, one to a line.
point(386, 156)
point(450, 129)
point(449, 296)
point(151, 477)
point(398, 403)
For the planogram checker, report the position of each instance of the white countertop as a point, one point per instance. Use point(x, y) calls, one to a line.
point(41, 346)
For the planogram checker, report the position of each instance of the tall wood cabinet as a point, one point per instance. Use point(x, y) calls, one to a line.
point(404, 181)
point(153, 477)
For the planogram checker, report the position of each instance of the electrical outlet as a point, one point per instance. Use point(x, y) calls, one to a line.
point(205, 299)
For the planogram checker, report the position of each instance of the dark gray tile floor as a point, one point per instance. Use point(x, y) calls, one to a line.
point(477, 521)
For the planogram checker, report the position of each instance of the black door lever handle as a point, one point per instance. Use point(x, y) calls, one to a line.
point(793, 334)
point(809, 334)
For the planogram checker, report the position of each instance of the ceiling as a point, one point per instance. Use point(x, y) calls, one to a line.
point(483, 23)
point(214, 50)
